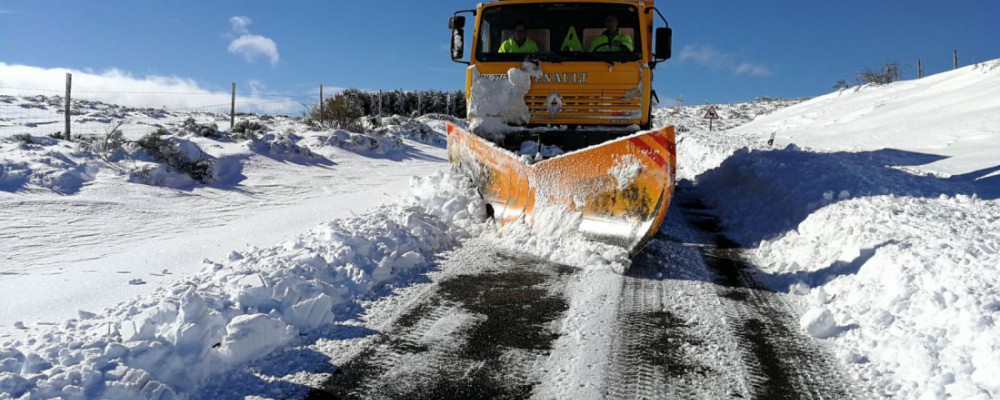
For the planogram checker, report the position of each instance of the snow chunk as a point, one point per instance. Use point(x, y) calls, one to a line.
point(496, 103)
point(532, 148)
point(818, 322)
point(13, 385)
point(248, 336)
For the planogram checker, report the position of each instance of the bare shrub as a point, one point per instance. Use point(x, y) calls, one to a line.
point(169, 153)
point(210, 131)
point(247, 129)
point(886, 74)
point(339, 111)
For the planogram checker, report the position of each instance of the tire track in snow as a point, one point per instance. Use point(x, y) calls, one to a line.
point(669, 343)
point(476, 335)
point(780, 362)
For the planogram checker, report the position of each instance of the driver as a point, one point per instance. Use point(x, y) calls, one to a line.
point(519, 43)
point(611, 39)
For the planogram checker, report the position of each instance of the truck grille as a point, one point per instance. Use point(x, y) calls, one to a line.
point(586, 107)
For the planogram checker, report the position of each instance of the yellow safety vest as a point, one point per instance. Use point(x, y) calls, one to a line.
point(599, 43)
point(511, 46)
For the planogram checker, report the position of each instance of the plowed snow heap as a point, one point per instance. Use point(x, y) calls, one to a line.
point(577, 75)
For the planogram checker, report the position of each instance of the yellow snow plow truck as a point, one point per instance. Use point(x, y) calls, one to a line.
point(559, 98)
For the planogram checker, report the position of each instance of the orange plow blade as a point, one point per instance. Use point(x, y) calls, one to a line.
point(616, 192)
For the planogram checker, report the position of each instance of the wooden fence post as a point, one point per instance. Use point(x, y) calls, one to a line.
point(68, 110)
point(956, 59)
point(232, 110)
point(321, 117)
point(920, 69)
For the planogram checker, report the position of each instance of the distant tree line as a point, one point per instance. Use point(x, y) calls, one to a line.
point(409, 103)
point(345, 109)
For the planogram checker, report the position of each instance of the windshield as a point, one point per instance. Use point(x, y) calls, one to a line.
point(559, 32)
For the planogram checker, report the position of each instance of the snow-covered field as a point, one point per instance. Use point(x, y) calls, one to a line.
point(878, 208)
point(881, 207)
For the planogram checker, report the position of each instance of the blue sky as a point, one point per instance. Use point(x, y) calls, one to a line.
point(725, 51)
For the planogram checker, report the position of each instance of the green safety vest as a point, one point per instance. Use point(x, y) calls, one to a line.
point(598, 43)
point(510, 46)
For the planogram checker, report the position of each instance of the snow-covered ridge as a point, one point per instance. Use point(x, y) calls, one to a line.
point(954, 115)
point(879, 205)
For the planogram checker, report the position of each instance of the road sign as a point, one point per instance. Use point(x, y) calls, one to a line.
point(711, 116)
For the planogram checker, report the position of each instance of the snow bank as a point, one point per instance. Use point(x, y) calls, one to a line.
point(881, 208)
point(495, 104)
point(911, 284)
point(166, 345)
point(761, 194)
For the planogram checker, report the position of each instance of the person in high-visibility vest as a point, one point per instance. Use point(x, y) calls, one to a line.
point(611, 39)
point(519, 43)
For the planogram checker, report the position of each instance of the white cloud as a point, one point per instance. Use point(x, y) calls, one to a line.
point(249, 45)
point(749, 68)
point(121, 87)
point(254, 46)
point(240, 24)
point(710, 57)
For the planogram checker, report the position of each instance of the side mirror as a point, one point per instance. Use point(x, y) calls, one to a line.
point(456, 22)
point(664, 37)
point(457, 44)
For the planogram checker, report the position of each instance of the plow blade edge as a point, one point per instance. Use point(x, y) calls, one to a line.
point(616, 192)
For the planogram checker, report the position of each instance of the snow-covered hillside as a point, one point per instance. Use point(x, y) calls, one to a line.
point(93, 222)
point(880, 205)
point(876, 211)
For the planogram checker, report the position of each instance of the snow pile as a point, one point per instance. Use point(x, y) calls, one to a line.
point(168, 161)
point(410, 128)
point(538, 152)
point(45, 163)
point(553, 236)
point(280, 145)
point(362, 143)
point(495, 104)
point(887, 224)
point(166, 345)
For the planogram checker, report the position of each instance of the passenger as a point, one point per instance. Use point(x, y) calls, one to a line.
point(611, 39)
point(519, 43)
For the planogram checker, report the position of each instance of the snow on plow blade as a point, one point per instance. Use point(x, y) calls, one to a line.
point(616, 192)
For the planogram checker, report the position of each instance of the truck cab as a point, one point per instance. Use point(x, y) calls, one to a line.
point(593, 83)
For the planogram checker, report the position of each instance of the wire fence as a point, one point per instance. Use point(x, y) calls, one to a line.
point(42, 112)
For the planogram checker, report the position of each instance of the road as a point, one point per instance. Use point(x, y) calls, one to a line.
point(688, 320)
